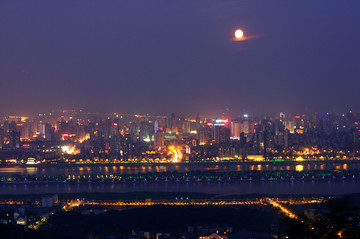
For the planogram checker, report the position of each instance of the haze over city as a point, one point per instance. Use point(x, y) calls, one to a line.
point(159, 119)
point(162, 56)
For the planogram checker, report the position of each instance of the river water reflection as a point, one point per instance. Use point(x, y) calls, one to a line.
point(324, 187)
point(53, 170)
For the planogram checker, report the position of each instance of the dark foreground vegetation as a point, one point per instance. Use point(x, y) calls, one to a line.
point(337, 218)
point(169, 219)
point(154, 219)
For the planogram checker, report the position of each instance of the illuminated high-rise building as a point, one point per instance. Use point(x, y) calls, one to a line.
point(127, 147)
point(172, 123)
point(204, 135)
point(186, 127)
point(221, 133)
point(12, 126)
point(14, 139)
point(290, 125)
point(246, 127)
point(133, 131)
point(156, 126)
point(159, 139)
point(235, 130)
point(48, 132)
point(115, 144)
point(198, 125)
point(114, 129)
point(145, 131)
point(286, 138)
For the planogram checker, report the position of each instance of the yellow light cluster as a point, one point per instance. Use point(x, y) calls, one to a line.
point(283, 209)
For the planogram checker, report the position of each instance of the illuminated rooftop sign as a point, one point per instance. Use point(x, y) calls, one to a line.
point(218, 121)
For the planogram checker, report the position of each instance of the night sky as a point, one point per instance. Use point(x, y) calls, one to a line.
point(159, 57)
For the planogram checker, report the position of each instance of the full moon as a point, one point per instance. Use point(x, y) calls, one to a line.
point(239, 34)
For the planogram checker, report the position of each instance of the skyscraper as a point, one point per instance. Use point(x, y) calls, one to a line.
point(198, 125)
point(204, 135)
point(221, 133)
point(235, 130)
point(14, 139)
point(145, 131)
point(159, 139)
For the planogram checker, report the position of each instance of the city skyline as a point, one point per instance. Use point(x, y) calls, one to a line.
point(176, 138)
point(157, 119)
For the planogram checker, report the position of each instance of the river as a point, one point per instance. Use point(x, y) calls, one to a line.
point(135, 168)
point(323, 187)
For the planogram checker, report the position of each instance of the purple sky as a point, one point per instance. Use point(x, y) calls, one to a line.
point(151, 56)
